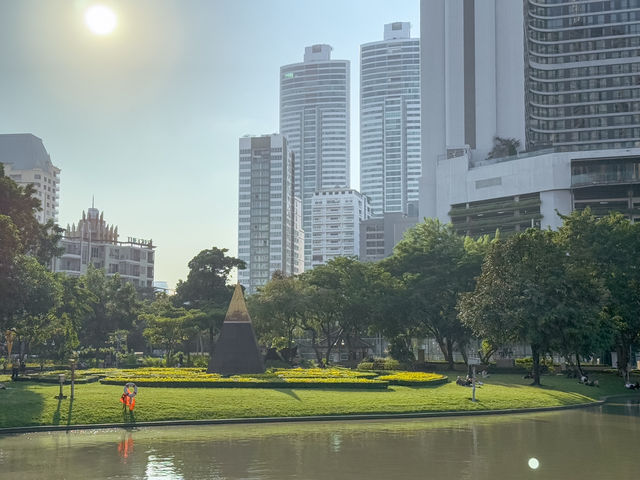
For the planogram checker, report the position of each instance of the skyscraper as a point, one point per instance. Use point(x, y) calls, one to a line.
point(26, 161)
point(559, 78)
point(270, 236)
point(583, 74)
point(390, 165)
point(552, 74)
point(314, 118)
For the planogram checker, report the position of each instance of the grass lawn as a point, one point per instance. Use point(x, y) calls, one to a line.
point(28, 403)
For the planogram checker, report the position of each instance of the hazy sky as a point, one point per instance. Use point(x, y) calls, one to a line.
point(148, 118)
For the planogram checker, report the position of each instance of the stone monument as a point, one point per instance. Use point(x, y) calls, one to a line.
point(237, 349)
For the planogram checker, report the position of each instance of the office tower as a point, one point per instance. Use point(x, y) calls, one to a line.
point(583, 74)
point(26, 161)
point(314, 117)
point(337, 214)
point(390, 166)
point(560, 78)
point(270, 237)
point(94, 242)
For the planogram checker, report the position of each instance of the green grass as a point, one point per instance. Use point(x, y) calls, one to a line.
point(30, 403)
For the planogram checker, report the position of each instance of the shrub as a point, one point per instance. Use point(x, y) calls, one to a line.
point(276, 364)
point(546, 364)
point(152, 362)
point(380, 364)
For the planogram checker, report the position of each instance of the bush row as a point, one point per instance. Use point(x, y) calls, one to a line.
point(380, 364)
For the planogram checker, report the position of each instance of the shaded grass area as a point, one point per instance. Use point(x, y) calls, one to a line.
point(28, 403)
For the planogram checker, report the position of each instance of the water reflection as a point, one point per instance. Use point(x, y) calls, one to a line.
point(593, 443)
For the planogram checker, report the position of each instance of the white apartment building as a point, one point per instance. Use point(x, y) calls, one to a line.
point(26, 161)
point(555, 76)
point(390, 165)
point(529, 190)
point(314, 118)
point(337, 214)
point(94, 242)
point(270, 235)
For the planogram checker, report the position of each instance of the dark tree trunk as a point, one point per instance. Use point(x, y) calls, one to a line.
point(623, 361)
point(535, 353)
point(464, 356)
point(449, 353)
point(443, 344)
point(579, 366)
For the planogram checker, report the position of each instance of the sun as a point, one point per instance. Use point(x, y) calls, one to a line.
point(101, 20)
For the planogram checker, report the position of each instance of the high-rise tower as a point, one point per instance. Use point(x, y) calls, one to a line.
point(26, 161)
point(270, 236)
point(314, 118)
point(390, 166)
point(550, 74)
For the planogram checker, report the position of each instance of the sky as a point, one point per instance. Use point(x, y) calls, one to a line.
point(147, 119)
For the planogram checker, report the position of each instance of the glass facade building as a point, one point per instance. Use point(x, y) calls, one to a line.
point(582, 74)
point(390, 165)
point(314, 118)
point(270, 236)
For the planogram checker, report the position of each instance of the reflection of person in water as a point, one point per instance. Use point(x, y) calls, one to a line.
point(125, 447)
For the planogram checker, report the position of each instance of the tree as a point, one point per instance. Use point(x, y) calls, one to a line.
point(114, 306)
point(20, 205)
point(168, 326)
point(32, 295)
point(346, 297)
point(206, 287)
point(277, 309)
point(436, 265)
point(611, 246)
point(504, 147)
point(529, 291)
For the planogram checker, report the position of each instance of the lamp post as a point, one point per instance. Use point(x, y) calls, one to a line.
point(73, 375)
point(60, 396)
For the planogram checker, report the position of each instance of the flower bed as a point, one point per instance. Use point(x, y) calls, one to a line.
point(322, 373)
point(414, 379)
point(216, 381)
point(278, 378)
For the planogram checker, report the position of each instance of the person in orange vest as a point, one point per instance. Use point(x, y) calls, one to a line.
point(128, 398)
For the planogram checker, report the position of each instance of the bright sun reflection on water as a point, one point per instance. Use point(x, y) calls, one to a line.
point(533, 463)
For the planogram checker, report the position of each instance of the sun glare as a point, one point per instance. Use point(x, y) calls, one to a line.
point(101, 20)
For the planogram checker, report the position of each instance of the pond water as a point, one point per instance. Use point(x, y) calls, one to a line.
point(593, 443)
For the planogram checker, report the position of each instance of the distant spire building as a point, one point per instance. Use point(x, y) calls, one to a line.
point(314, 118)
point(26, 161)
point(94, 242)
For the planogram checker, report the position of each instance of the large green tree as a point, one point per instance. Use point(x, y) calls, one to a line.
point(114, 306)
point(277, 310)
point(346, 298)
point(20, 205)
point(206, 287)
point(610, 245)
point(168, 326)
point(531, 292)
point(436, 265)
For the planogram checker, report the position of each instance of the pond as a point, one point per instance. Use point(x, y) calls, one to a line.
point(593, 443)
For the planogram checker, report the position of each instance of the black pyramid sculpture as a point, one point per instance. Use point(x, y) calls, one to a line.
point(236, 350)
